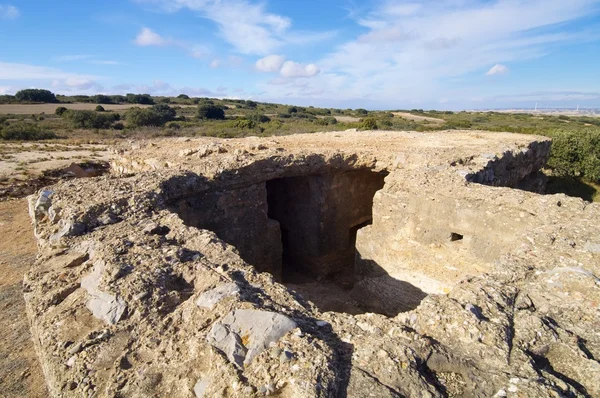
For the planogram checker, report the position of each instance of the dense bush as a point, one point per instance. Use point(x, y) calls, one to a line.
point(102, 99)
point(258, 118)
point(60, 110)
point(576, 154)
point(458, 124)
point(183, 96)
point(244, 124)
point(35, 95)
point(209, 111)
point(326, 121)
point(361, 111)
point(144, 99)
point(368, 123)
point(118, 99)
point(100, 108)
point(165, 112)
point(251, 104)
point(385, 123)
point(24, 131)
point(90, 119)
point(157, 115)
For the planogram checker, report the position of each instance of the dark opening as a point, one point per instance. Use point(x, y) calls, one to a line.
point(455, 237)
point(319, 217)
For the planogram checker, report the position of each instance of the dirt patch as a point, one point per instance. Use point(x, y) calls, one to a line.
point(25, 167)
point(20, 372)
point(347, 119)
point(417, 118)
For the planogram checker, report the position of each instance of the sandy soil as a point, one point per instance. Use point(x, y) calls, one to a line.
point(347, 118)
point(24, 160)
point(20, 372)
point(417, 118)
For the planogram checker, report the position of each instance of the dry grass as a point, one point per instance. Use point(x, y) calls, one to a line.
point(416, 118)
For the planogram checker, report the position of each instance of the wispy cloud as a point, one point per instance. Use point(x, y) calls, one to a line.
point(85, 58)
point(8, 11)
point(247, 26)
point(497, 69)
point(69, 58)
point(14, 71)
point(103, 62)
point(410, 51)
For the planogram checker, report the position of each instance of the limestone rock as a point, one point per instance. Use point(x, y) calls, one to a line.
point(243, 334)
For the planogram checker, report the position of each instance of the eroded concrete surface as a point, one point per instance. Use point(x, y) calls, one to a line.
point(476, 288)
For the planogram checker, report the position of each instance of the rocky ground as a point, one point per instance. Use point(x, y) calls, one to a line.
point(127, 300)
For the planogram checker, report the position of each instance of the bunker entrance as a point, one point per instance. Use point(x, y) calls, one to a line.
point(318, 218)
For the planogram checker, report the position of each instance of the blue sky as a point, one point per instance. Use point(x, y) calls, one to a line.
point(381, 54)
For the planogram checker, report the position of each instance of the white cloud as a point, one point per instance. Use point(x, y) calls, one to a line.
point(103, 62)
point(68, 58)
point(414, 51)
point(215, 63)
point(13, 71)
point(497, 69)
point(147, 37)
point(247, 26)
point(270, 63)
point(293, 69)
point(6, 90)
point(287, 69)
point(80, 83)
point(9, 12)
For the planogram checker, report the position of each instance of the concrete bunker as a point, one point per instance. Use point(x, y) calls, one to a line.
point(302, 229)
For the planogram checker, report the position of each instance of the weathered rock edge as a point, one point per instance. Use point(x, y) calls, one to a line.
point(113, 296)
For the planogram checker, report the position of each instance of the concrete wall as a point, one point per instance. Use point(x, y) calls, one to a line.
point(239, 217)
point(317, 215)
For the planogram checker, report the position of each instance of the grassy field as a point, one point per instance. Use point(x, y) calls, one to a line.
point(574, 163)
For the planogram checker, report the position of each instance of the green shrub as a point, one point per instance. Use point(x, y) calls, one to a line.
point(60, 110)
point(102, 99)
point(35, 95)
point(90, 119)
point(385, 123)
point(165, 112)
point(183, 96)
point(157, 116)
point(251, 104)
point(144, 99)
point(244, 124)
point(361, 111)
point(100, 108)
point(25, 131)
point(458, 124)
point(292, 109)
point(576, 154)
point(258, 118)
point(209, 111)
point(368, 123)
point(118, 99)
point(326, 121)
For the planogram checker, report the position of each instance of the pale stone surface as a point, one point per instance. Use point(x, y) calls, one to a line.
point(503, 297)
point(210, 298)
